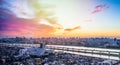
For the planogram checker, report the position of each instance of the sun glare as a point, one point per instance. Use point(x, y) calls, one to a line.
point(45, 22)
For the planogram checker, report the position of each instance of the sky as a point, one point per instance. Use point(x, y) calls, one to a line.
point(60, 18)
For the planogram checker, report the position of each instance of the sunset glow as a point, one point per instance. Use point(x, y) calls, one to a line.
point(61, 18)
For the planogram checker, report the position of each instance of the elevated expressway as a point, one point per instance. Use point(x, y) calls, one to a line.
point(87, 51)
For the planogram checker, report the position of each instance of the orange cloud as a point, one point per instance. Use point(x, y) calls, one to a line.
point(44, 30)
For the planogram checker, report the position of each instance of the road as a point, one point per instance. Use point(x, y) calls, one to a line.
point(88, 51)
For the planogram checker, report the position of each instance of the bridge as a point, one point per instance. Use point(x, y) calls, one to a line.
point(87, 51)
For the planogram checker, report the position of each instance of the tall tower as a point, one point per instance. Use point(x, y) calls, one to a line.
point(42, 45)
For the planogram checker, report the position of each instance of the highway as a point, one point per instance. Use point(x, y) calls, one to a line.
point(87, 51)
